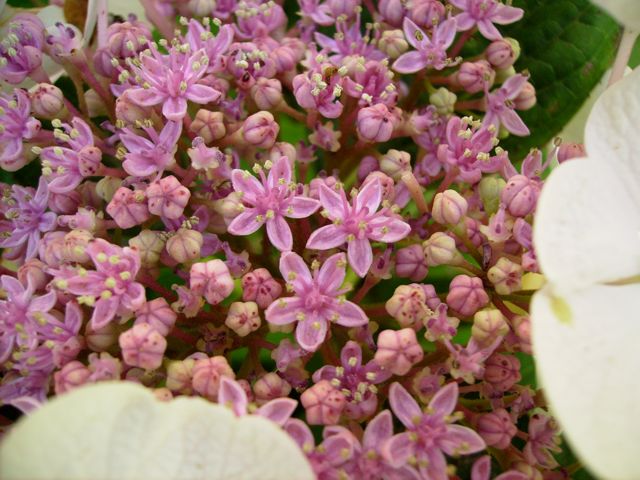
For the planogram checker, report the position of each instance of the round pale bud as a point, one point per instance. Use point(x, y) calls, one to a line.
point(167, 197)
point(506, 276)
point(567, 151)
point(488, 325)
point(490, 189)
point(206, 376)
point(260, 130)
point(323, 403)
point(201, 8)
point(158, 314)
point(270, 386)
point(212, 280)
point(283, 149)
point(449, 207)
point(260, 287)
point(46, 101)
point(65, 203)
point(398, 350)
point(142, 346)
point(375, 123)
point(440, 249)
point(475, 77)
point(179, 374)
point(393, 43)
point(444, 101)
point(103, 338)
point(33, 271)
point(163, 394)
point(522, 329)
point(466, 295)
point(149, 246)
point(208, 125)
point(95, 104)
point(392, 12)
point(267, 93)
point(520, 195)
point(503, 75)
point(503, 53)
point(243, 318)
point(185, 245)
point(395, 162)
point(526, 99)
point(411, 263)
point(497, 428)
point(408, 305)
point(107, 187)
point(72, 375)
point(502, 371)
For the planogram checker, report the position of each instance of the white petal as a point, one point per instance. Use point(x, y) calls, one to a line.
point(612, 130)
point(586, 227)
point(627, 12)
point(119, 430)
point(587, 361)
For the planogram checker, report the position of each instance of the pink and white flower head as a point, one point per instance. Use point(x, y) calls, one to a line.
point(317, 300)
point(483, 14)
point(268, 201)
point(357, 224)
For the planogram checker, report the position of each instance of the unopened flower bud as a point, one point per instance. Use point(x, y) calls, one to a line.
point(107, 187)
point(128, 208)
point(449, 207)
point(567, 151)
point(149, 245)
point(74, 247)
point(201, 8)
point(520, 195)
point(260, 287)
point(162, 394)
point(243, 318)
point(323, 403)
point(260, 130)
point(488, 325)
point(46, 101)
point(522, 329)
point(74, 374)
point(267, 93)
point(129, 111)
point(158, 314)
point(502, 371)
point(283, 149)
point(475, 77)
point(33, 271)
point(393, 43)
point(208, 125)
point(270, 386)
point(375, 123)
point(398, 350)
point(411, 263)
point(497, 428)
point(506, 276)
point(386, 182)
point(179, 374)
point(503, 53)
point(408, 305)
point(167, 197)
point(444, 101)
point(207, 373)
point(526, 99)
point(65, 203)
point(142, 346)
point(503, 75)
point(367, 165)
point(466, 295)
point(490, 189)
point(440, 249)
point(395, 162)
point(185, 245)
point(212, 280)
point(103, 338)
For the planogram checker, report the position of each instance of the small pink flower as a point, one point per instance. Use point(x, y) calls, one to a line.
point(143, 346)
point(501, 106)
point(323, 403)
point(167, 197)
point(430, 52)
point(376, 123)
point(243, 318)
point(398, 350)
point(153, 155)
point(260, 130)
point(497, 428)
point(212, 280)
point(158, 314)
point(483, 14)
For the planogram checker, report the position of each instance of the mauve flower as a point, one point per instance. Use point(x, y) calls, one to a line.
point(430, 434)
point(320, 89)
point(349, 40)
point(357, 224)
point(21, 48)
point(430, 52)
point(152, 155)
point(483, 14)
point(268, 201)
point(317, 301)
point(16, 126)
point(501, 107)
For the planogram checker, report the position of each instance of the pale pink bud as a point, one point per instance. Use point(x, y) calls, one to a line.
point(393, 43)
point(386, 182)
point(179, 374)
point(392, 12)
point(411, 263)
point(502, 371)
point(395, 162)
point(398, 350)
point(526, 99)
point(497, 428)
point(107, 186)
point(212, 280)
point(367, 165)
point(522, 329)
point(103, 338)
point(267, 93)
point(466, 295)
point(46, 101)
point(408, 305)
point(260, 287)
point(128, 208)
point(270, 386)
point(74, 246)
point(185, 245)
point(488, 325)
point(143, 346)
point(567, 151)
point(449, 207)
point(426, 13)
point(243, 318)
point(72, 375)
point(129, 112)
point(167, 197)
point(506, 276)
point(375, 123)
point(162, 394)
point(208, 125)
point(149, 245)
point(65, 203)
point(323, 403)
point(440, 249)
point(158, 314)
point(260, 130)
point(475, 77)
point(283, 149)
point(503, 53)
point(207, 373)
point(33, 271)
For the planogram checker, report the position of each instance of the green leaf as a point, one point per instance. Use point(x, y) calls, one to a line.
point(567, 45)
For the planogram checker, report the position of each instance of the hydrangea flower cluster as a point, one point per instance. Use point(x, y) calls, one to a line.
point(304, 215)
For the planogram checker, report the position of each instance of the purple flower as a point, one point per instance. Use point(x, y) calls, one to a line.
point(21, 48)
point(111, 288)
point(256, 19)
point(171, 80)
point(200, 37)
point(269, 200)
point(484, 13)
point(319, 89)
point(16, 126)
point(501, 109)
point(372, 85)
point(317, 300)
point(26, 218)
point(430, 434)
point(357, 224)
point(430, 52)
point(153, 155)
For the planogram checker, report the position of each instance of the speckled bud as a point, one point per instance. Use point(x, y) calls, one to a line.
point(488, 325)
point(207, 373)
point(208, 125)
point(185, 245)
point(149, 245)
point(506, 276)
point(142, 346)
point(449, 207)
point(398, 350)
point(243, 318)
point(323, 403)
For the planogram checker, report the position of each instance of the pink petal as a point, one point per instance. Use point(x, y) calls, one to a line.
point(135, 143)
point(514, 85)
point(170, 134)
point(249, 185)
point(404, 405)
point(360, 255)
point(302, 207)
point(349, 351)
point(299, 431)
point(175, 108)
point(349, 314)
point(280, 172)
point(146, 97)
point(332, 201)
point(338, 447)
point(444, 402)
point(410, 62)
point(283, 311)
point(461, 4)
point(43, 303)
point(436, 465)
point(481, 469)
point(103, 313)
point(396, 229)
point(311, 332)
point(410, 31)
point(513, 123)
point(446, 32)
point(295, 271)
point(369, 197)
point(464, 21)
point(488, 30)
point(279, 233)
point(325, 41)
point(458, 437)
point(202, 94)
point(332, 273)
point(233, 396)
point(246, 223)
point(398, 449)
point(505, 14)
point(379, 429)
point(326, 238)
point(278, 410)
